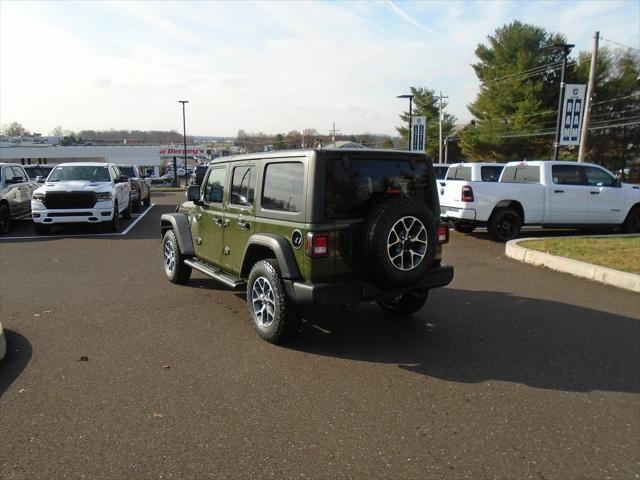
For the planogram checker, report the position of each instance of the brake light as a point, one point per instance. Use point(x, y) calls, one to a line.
point(443, 233)
point(317, 245)
point(467, 194)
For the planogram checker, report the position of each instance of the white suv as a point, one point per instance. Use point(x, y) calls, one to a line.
point(81, 193)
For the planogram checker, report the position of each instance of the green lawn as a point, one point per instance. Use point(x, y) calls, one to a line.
point(620, 253)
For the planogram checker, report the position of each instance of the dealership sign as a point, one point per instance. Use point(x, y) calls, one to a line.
point(177, 151)
point(572, 109)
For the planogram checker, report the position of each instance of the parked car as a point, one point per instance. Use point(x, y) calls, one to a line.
point(140, 186)
point(38, 173)
point(318, 227)
point(551, 194)
point(15, 195)
point(82, 193)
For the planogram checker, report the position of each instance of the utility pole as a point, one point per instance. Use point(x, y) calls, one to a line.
point(440, 127)
point(587, 107)
point(333, 134)
point(184, 136)
point(446, 150)
point(566, 48)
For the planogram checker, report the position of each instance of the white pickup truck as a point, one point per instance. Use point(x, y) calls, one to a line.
point(81, 193)
point(546, 193)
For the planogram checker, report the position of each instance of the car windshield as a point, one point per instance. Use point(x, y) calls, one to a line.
point(128, 171)
point(38, 171)
point(79, 172)
point(352, 185)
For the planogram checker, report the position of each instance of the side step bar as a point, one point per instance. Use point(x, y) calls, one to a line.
point(215, 273)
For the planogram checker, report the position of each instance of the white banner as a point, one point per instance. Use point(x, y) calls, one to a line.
point(418, 134)
point(572, 109)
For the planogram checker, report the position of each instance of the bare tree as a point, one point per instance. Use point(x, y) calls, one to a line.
point(15, 129)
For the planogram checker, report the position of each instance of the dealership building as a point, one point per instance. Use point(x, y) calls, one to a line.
point(148, 156)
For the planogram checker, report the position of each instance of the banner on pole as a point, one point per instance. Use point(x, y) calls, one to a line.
point(418, 134)
point(572, 109)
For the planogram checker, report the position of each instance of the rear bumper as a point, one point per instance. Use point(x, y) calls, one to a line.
point(458, 213)
point(326, 294)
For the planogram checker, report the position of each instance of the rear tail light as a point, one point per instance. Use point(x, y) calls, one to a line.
point(467, 194)
point(317, 245)
point(443, 233)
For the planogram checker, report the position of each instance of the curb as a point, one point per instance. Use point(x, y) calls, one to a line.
point(608, 276)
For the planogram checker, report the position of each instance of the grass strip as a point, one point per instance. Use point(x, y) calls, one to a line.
point(620, 253)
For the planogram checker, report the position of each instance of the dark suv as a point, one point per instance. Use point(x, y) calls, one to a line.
point(319, 227)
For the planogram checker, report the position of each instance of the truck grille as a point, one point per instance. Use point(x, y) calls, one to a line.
point(62, 200)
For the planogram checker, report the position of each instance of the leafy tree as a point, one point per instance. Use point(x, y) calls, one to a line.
point(426, 104)
point(516, 107)
point(15, 129)
point(293, 139)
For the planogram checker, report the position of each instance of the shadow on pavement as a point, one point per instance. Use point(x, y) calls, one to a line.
point(15, 361)
point(538, 233)
point(481, 336)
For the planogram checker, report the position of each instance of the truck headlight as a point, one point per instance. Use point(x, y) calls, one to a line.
point(38, 197)
point(102, 196)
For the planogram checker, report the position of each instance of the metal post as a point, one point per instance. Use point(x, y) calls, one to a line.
point(440, 129)
point(175, 172)
point(184, 135)
point(446, 150)
point(590, 87)
point(565, 52)
point(410, 120)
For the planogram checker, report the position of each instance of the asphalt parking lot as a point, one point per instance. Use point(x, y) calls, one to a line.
point(512, 371)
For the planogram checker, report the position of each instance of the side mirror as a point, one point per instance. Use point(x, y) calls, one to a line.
point(40, 179)
point(122, 179)
point(193, 194)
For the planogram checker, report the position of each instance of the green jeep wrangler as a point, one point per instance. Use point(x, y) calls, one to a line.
point(317, 227)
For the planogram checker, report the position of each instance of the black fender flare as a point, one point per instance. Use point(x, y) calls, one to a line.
point(282, 250)
point(179, 223)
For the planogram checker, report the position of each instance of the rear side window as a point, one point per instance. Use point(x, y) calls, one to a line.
point(521, 174)
point(567, 175)
point(490, 174)
point(352, 186)
point(283, 187)
point(243, 186)
point(459, 173)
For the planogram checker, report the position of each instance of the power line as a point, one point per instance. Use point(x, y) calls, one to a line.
point(617, 98)
point(620, 44)
point(524, 72)
point(521, 76)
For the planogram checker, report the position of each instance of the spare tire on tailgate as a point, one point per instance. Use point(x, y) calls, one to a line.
point(400, 241)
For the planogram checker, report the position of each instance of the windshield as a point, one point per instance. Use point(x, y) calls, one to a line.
point(127, 171)
point(38, 171)
point(79, 172)
point(352, 185)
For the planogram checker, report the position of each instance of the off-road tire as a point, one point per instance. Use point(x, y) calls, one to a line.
point(147, 200)
point(504, 224)
point(176, 272)
point(464, 227)
point(113, 225)
point(5, 219)
point(126, 213)
point(284, 322)
point(632, 222)
point(405, 304)
point(42, 229)
point(377, 233)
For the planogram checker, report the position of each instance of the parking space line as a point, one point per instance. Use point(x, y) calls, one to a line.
point(42, 237)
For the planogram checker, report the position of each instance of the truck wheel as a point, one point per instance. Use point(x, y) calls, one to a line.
point(400, 241)
point(114, 224)
point(405, 304)
point(126, 213)
point(464, 227)
point(5, 219)
point(174, 266)
point(272, 312)
point(147, 200)
point(632, 222)
point(42, 229)
point(504, 224)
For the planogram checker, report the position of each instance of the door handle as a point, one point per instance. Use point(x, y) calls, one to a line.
point(198, 217)
point(595, 193)
point(244, 225)
point(218, 221)
point(558, 191)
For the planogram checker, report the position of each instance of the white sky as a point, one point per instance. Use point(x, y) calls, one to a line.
point(260, 66)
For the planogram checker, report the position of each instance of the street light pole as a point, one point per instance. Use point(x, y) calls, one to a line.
point(184, 136)
point(410, 97)
point(566, 48)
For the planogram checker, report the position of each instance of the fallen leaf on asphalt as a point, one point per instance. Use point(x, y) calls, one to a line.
point(22, 390)
point(47, 312)
point(36, 314)
point(157, 415)
point(431, 327)
point(166, 366)
point(83, 359)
